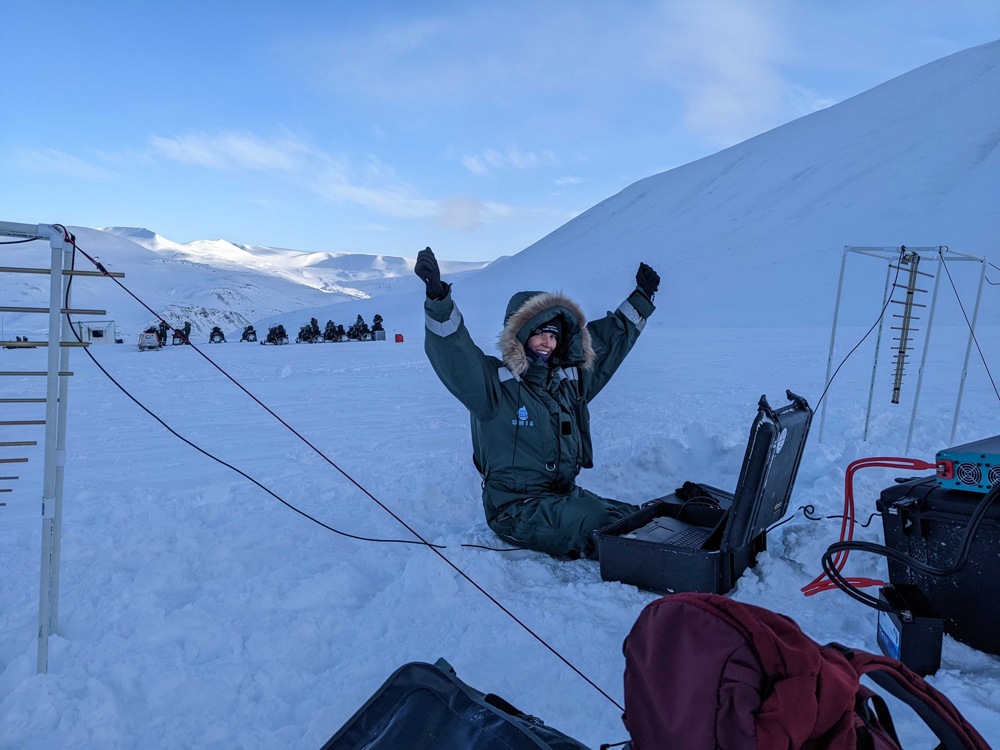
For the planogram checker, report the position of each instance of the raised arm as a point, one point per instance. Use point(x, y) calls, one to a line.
point(459, 363)
point(615, 334)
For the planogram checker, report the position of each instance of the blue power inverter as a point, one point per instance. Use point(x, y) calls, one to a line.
point(973, 467)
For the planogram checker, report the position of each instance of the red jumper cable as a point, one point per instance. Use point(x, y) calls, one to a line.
point(822, 582)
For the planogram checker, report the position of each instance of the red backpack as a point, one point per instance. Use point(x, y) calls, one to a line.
point(703, 672)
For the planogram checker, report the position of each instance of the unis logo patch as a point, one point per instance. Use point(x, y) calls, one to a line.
point(522, 419)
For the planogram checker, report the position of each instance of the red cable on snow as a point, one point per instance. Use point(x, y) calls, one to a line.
point(823, 582)
point(72, 240)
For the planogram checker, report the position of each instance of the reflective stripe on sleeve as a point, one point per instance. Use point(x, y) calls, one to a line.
point(446, 328)
point(626, 309)
point(506, 375)
point(569, 373)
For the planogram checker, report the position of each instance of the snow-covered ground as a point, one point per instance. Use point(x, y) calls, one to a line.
point(196, 611)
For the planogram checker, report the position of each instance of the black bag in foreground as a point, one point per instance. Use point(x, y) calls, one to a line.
point(426, 707)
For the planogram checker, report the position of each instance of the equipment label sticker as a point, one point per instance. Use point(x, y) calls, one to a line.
point(888, 635)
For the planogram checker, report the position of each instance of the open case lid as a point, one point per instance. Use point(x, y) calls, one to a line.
point(777, 439)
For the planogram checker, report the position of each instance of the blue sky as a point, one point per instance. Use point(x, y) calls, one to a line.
point(384, 127)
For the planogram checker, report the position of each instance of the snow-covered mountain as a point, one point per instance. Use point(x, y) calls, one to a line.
point(753, 235)
point(328, 271)
point(208, 282)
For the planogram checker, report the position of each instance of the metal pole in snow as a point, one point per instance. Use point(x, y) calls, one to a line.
point(67, 334)
point(968, 352)
point(833, 338)
point(56, 243)
point(878, 345)
point(923, 355)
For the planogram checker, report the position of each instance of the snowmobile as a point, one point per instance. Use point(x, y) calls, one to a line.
point(306, 336)
point(183, 336)
point(275, 335)
point(149, 340)
point(217, 336)
point(330, 332)
point(249, 334)
point(359, 331)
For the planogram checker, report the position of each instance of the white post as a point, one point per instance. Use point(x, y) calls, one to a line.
point(833, 339)
point(56, 243)
point(927, 346)
point(878, 345)
point(968, 352)
point(67, 335)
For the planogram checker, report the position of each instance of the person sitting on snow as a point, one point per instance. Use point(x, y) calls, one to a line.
point(530, 414)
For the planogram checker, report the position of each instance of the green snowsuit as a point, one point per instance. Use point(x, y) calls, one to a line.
point(530, 419)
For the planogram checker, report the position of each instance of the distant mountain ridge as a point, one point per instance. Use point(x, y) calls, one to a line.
point(329, 271)
point(207, 282)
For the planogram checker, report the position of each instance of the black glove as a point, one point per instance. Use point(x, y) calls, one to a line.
point(647, 280)
point(427, 269)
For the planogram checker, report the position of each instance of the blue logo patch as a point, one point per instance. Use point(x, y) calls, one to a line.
point(522, 419)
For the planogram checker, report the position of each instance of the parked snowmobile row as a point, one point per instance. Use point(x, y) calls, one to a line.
point(333, 333)
point(156, 337)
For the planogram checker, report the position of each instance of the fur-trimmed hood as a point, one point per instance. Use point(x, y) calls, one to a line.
point(528, 310)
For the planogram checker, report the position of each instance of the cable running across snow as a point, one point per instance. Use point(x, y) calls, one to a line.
point(72, 240)
point(204, 452)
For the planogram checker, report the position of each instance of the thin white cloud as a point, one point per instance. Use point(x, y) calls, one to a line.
point(373, 184)
point(725, 57)
point(125, 158)
point(563, 181)
point(57, 162)
point(513, 158)
point(231, 150)
point(474, 165)
point(469, 214)
point(495, 158)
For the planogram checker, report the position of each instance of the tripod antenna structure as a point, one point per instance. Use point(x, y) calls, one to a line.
point(906, 263)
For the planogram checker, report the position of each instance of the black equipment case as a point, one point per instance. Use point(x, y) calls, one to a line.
point(739, 522)
point(427, 706)
point(927, 522)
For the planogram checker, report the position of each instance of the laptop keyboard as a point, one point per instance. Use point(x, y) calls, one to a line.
point(691, 538)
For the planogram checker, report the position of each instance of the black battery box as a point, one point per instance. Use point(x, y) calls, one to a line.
point(927, 522)
point(911, 632)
